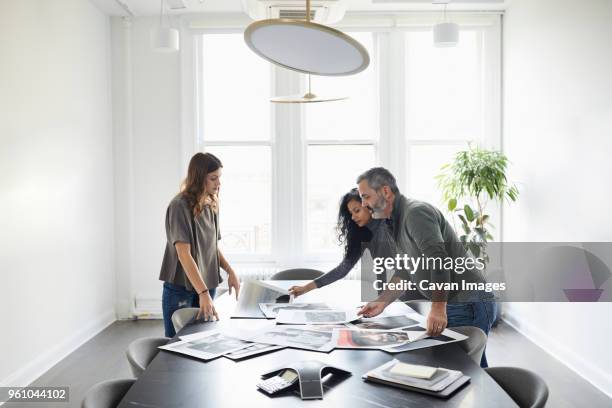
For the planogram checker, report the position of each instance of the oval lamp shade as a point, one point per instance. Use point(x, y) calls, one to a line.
point(165, 39)
point(307, 47)
point(446, 34)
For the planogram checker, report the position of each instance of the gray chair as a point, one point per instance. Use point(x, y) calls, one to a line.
point(107, 394)
point(476, 342)
point(526, 388)
point(181, 317)
point(140, 352)
point(297, 274)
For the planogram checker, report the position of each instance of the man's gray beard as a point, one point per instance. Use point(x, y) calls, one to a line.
point(379, 213)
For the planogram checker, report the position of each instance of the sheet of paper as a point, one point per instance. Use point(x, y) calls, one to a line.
point(254, 292)
point(286, 316)
point(385, 322)
point(300, 337)
point(211, 344)
point(421, 340)
point(270, 286)
point(351, 338)
point(441, 379)
point(413, 370)
point(253, 350)
point(271, 310)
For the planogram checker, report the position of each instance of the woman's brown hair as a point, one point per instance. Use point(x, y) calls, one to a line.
point(193, 188)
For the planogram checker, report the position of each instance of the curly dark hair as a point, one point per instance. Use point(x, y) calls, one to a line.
point(350, 234)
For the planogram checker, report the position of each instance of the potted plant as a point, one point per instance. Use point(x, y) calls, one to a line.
point(476, 176)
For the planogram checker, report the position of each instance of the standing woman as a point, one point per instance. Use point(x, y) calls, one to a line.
point(192, 260)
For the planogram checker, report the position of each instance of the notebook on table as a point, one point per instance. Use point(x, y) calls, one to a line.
point(438, 382)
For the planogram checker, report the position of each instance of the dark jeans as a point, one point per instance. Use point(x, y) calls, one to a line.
point(479, 314)
point(175, 297)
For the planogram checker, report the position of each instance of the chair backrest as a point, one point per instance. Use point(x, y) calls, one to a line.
point(297, 274)
point(476, 342)
point(183, 316)
point(140, 352)
point(107, 394)
point(525, 387)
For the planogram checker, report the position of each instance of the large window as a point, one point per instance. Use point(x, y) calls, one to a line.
point(341, 140)
point(443, 107)
point(236, 126)
point(286, 166)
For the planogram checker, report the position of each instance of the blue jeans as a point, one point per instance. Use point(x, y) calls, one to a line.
point(175, 297)
point(479, 314)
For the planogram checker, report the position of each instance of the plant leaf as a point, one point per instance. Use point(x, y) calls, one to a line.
point(469, 213)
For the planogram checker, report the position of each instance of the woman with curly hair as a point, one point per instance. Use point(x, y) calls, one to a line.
point(353, 233)
point(192, 260)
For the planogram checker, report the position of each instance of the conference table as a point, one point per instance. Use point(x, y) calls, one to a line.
point(175, 380)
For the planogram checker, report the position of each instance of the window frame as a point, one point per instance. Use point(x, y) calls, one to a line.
point(288, 141)
point(202, 144)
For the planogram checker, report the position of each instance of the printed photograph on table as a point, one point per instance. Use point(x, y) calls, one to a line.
point(373, 339)
point(208, 346)
point(252, 350)
point(271, 310)
point(447, 336)
point(316, 316)
point(326, 327)
point(384, 323)
point(296, 337)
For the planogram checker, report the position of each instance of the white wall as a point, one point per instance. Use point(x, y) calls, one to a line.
point(147, 127)
point(557, 133)
point(56, 183)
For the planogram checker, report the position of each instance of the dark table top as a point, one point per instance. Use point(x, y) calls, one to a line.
point(173, 380)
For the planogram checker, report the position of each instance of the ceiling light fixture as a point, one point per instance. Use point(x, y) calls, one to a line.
point(306, 47)
point(164, 38)
point(445, 34)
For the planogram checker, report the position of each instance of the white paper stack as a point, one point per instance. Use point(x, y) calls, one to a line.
point(439, 382)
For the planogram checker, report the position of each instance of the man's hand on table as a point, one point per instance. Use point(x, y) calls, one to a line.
point(437, 319)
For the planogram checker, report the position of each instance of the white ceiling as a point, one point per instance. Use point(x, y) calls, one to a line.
point(151, 7)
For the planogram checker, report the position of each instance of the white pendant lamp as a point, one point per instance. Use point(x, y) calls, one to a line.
point(164, 38)
point(307, 47)
point(445, 34)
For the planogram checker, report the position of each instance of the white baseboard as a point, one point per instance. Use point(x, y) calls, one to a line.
point(597, 377)
point(47, 359)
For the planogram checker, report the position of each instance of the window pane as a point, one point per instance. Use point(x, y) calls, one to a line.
point(354, 118)
point(236, 90)
point(332, 172)
point(245, 199)
point(425, 163)
point(443, 88)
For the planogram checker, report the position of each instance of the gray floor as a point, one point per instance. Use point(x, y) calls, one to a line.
point(507, 347)
point(103, 358)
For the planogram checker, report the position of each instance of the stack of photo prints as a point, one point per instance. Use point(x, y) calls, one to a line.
point(315, 327)
point(439, 382)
